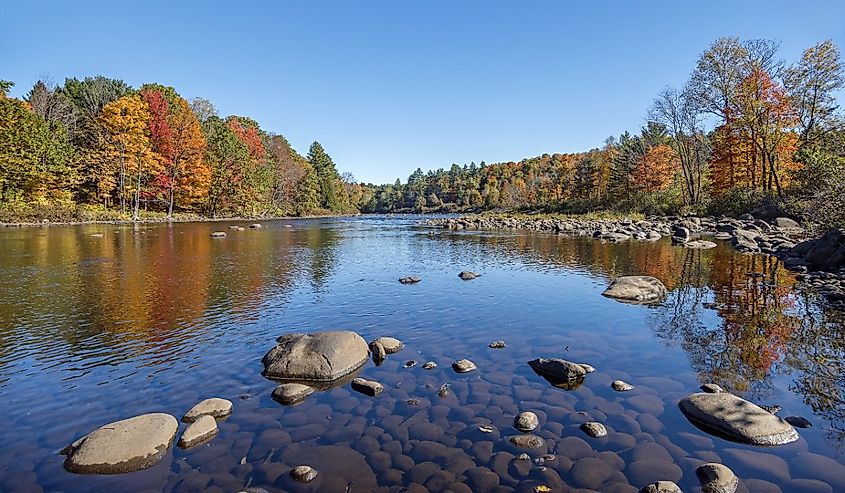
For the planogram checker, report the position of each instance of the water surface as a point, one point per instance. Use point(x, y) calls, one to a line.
point(155, 318)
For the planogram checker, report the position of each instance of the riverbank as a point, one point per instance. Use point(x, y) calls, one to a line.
point(180, 218)
point(820, 260)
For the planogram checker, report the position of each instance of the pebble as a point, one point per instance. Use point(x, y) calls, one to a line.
point(526, 421)
point(215, 407)
point(429, 365)
point(527, 441)
point(368, 387)
point(218, 234)
point(468, 275)
point(497, 345)
point(410, 280)
point(621, 386)
point(303, 474)
point(464, 366)
point(486, 429)
point(594, 429)
point(444, 390)
point(410, 363)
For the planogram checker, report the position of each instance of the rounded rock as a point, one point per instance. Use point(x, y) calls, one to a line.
point(526, 421)
point(636, 289)
point(621, 386)
point(123, 446)
point(291, 393)
point(738, 418)
point(367, 387)
point(391, 344)
point(594, 429)
point(303, 474)
point(527, 441)
point(215, 407)
point(199, 431)
point(716, 478)
point(661, 487)
point(318, 356)
point(464, 366)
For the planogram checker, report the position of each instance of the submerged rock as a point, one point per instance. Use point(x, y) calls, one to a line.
point(200, 430)
point(594, 429)
point(526, 421)
point(798, 421)
point(468, 275)
point(319, 356)
point(464, 366)
point(391, 344)
point(291, 393)
point(123, 446)
point(303, 474)
point(716, 478)
point(737, 418)
point(368, 387)
point(527, 441)
point(636, 289)
point(410, 280)
point(214, 407)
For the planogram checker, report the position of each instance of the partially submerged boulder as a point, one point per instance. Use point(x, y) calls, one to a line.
point(318, 357)
point(200, 430)
point(468, 275)
point(559, 372)
point(123, 446)
point(214, 407)
point(737, 418)
point(636, 289)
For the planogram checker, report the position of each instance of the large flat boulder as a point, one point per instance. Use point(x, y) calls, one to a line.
point(317, 357)
point(123, 446)
point(737, 418)
point(636, 289)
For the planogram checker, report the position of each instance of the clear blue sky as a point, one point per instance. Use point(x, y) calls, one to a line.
point(391, 86)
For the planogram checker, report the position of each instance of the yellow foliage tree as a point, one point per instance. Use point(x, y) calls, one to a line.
point(125, 151)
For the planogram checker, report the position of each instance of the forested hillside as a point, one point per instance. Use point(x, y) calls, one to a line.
point(747, 130)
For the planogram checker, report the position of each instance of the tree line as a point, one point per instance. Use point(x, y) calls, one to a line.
point(101, 144)
point(746, 130)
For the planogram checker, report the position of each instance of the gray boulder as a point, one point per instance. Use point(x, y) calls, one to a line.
point(199, 431)
point(123, 446)
point(828, 252)
point(716, 478)
point(636, 289)
point(558, 369)
point(214, 407)
point(737, 418)
point(661, 487)
point(319, 356)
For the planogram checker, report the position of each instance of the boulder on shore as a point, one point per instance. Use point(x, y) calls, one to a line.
point(123, 446)
point(318, 356)
point(636, 289)
point(737, 418)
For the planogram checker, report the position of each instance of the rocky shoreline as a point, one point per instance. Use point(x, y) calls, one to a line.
point(819, 261)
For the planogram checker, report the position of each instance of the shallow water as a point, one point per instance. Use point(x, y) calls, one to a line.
point(155, 318)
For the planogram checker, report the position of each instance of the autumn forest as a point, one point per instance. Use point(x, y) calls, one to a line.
point(747, 130)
